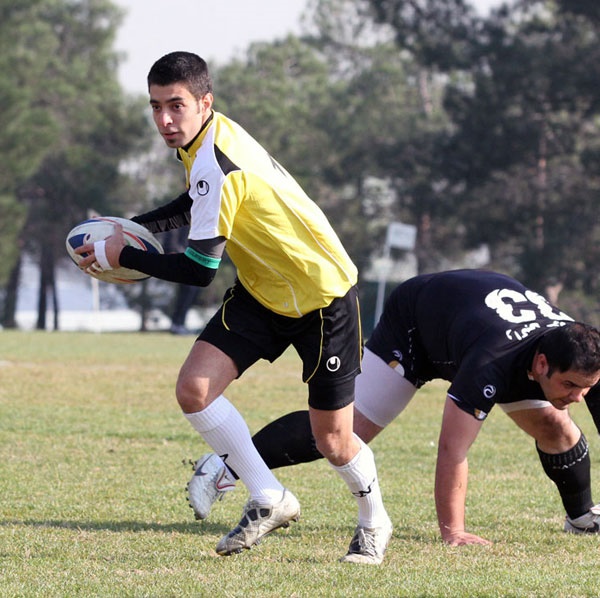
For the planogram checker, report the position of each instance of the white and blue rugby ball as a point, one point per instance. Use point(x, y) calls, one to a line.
point(97, 229)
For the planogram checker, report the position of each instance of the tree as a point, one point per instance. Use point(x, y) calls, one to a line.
point(436, 33)
point(339, 107)
point(26, 126)
point(94, 128)
point(518, 164)
point(522, 132)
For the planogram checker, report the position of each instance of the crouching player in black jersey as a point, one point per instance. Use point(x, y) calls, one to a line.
point(296, 286)
point(497, 342)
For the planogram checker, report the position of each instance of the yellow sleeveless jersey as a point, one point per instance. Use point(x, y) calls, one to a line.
point(286, 253)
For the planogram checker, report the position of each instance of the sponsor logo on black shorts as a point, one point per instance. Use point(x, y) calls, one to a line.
point(334, 363)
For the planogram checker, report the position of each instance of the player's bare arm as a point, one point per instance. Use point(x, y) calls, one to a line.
point(459, 430)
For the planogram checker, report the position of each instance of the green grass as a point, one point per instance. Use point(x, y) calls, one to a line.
point(92, 481)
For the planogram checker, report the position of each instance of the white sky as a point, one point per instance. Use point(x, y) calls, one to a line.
point(217, 30)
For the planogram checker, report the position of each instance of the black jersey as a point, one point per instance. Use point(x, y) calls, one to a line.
point(476, 329)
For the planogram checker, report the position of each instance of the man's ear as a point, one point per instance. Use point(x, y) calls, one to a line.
point(540, 365)
point(206, 101)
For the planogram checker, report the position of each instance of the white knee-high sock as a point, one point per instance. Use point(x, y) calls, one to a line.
point(225, 431)
point(360, 474)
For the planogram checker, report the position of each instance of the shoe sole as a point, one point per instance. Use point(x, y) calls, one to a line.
point(572, 529)
point(361, 559)
point(296, 518)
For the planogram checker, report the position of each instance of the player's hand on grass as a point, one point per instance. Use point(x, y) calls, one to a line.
point(463, 538)
point(112, 247)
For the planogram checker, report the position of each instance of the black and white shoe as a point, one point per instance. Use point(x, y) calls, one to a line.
point(588, 523)
point(368, 545)
point(257, 521)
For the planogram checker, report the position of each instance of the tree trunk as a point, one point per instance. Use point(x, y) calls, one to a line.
point(423, 251)
point(42, 296)
point(144, 301)
point(55, 306)
point(9, 315)
point(542, 190)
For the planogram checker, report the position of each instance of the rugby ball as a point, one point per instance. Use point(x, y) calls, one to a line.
point(97, 229)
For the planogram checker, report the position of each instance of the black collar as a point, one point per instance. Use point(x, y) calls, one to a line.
point(186, 147)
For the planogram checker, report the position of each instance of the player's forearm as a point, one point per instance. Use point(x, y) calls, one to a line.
point(175, 267)
point(450, 495)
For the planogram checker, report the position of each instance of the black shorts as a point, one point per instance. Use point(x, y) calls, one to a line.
point(396, 338)
point(328, 340)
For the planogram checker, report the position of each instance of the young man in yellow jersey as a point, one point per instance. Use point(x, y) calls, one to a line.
point(295, 286)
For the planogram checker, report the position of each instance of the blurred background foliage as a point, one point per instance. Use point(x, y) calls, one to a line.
point(481, 131)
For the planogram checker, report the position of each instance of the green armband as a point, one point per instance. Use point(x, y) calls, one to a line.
point(203, 260)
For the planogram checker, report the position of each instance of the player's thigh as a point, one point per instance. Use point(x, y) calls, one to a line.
point(329, 344)
point(553, 429)
point(381, 393)
point(205, 374)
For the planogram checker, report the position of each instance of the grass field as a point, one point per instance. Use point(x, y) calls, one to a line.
point(92, 500)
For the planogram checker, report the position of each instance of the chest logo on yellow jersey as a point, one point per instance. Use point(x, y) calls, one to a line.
point(202, 188)
point(334, 363)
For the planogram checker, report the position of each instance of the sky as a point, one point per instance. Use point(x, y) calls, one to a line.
point(217, 30)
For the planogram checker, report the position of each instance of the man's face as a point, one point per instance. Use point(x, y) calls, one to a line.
point(178, 115)
point(563, 388)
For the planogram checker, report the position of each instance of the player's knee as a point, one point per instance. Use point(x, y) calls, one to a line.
point(190, 394)
point(337, 449)
point(558, 433)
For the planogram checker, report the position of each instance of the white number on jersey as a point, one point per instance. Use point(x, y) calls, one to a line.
point(518, 308)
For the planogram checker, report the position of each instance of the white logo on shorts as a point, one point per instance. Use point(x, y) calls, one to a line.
point(334, 363)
